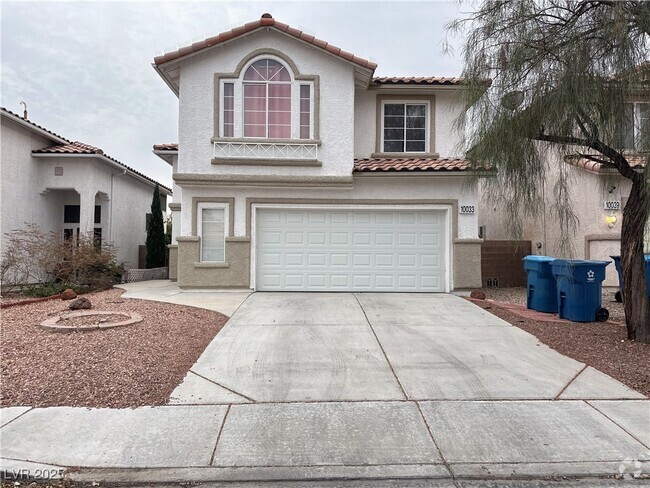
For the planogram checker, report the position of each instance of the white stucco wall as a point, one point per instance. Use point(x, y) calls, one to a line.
point(365, 188)
point(446, 109)
point(588, 194)
point(19, 176)
point(196, 104)
point(32, 193)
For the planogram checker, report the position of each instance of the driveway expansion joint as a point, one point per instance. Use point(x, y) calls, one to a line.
point(223, 423)
point(646, 445)
point(29, 409)
point(557, 397)
point(222, 386)
point(381, 346)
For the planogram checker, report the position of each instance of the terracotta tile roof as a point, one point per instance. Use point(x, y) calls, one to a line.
point(82, 148)
point(410, 164)
point(637, 162)
point(415, 80)
point(72, 148)
point(32, 124)
point(265, 21)
point(170, 146)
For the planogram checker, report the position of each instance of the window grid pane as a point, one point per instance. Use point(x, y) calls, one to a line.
point(267, 104)
point(305, 111)
point(404, 127)
point(228, 109)
point(213, 234)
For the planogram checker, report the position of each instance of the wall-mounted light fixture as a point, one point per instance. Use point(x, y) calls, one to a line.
point(611, 220)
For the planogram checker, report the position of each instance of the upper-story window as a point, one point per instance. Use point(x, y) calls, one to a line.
point(405, 127)
point(267, 102)
point(635, 130)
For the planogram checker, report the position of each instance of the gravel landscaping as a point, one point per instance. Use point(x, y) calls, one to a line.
point(602, 345)
point(131, 366)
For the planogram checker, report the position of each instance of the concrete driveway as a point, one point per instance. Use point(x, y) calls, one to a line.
point(292, 347)
point(374, 387)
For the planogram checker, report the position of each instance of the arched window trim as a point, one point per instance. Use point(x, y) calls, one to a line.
point(236, 79)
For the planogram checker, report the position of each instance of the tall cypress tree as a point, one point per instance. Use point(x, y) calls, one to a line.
point(156, 246)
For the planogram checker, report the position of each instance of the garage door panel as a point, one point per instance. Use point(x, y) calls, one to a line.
point(348, 250)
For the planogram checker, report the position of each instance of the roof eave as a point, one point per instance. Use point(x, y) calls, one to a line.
point(166, 156)
point(130, 172)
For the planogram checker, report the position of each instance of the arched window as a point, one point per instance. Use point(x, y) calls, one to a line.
point(267, 100)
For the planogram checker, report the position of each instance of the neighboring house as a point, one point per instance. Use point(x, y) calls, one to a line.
point(297, 170)
point(71, 188)
point(597, 194)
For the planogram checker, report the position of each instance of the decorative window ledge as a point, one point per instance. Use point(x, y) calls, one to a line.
point(266, 150)
point(266, 162)
point(210, 264)
point(405, 155)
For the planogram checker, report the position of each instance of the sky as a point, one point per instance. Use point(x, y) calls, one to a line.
point(84, 68)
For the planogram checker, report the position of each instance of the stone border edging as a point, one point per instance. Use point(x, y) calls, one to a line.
point(29, 301)
point(52, 322)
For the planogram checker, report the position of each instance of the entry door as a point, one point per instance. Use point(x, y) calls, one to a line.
point(351, 250)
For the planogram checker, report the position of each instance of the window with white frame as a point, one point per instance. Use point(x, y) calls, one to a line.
point(267, 102)
point(635, 128)
point(405, 127)
point(212, 224)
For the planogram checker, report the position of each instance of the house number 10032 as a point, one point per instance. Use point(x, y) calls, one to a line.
point(467, 209)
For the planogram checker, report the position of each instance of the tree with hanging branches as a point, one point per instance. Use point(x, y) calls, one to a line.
point(547, 80)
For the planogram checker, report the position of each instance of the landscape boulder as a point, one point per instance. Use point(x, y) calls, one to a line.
point(79, 304)
point(477, 294)
point(68, 294)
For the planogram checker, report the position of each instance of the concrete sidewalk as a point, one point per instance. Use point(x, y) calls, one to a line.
point(222, 301)
point(385, 389)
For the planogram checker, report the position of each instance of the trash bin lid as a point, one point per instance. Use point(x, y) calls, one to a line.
point(540, 259)
point(576, 263)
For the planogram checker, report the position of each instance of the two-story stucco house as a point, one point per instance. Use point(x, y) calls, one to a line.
point(296, 169)
point(71, 188)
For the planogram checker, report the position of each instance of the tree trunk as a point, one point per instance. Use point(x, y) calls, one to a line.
point(636, 303)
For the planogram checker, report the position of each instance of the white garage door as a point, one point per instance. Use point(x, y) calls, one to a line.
point(350, 250)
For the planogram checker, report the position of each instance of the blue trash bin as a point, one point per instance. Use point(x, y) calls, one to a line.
point(541, 294)
point(617, 263)
point(579, 289)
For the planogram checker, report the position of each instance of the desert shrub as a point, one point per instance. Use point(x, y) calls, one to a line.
point(33, 256)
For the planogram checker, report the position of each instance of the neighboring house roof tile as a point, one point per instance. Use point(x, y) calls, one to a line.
point(265, 21)
point(170, 146)
point(82, 148)
point(33, 124)
point(410, 164)
point(416, 80)
point(637, 162)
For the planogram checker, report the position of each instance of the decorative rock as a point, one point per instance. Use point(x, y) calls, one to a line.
point(80, 303)
point(68, 294)
point(477, 294)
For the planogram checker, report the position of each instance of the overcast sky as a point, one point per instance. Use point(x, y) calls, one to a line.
point(84, 68)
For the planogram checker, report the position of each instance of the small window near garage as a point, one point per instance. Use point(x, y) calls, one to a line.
point(58, 171)
point(212, 224)
point(404, 127)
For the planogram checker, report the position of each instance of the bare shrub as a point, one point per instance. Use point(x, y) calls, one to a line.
point(33, 256)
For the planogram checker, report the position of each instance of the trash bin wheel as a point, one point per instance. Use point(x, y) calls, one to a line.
point(618, 296)
point(602, 314)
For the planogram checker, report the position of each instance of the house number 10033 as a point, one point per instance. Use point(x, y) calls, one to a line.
point(467, 209)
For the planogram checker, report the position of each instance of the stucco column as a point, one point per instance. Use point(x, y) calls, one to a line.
point(87, 212)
